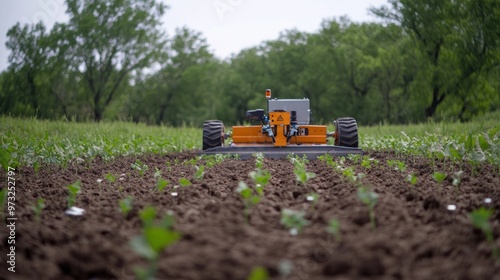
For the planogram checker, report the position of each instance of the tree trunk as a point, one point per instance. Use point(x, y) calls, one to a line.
point(437, 98)
point(97, 107)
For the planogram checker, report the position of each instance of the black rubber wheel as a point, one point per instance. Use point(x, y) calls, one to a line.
point(213, 134)
point(347, 132)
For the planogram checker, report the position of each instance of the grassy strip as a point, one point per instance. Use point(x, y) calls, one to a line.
point(31, 142)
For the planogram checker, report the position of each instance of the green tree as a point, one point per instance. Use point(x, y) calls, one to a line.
point(108, 41)
point(181, 90)
point(458, 42)
point(28, 57)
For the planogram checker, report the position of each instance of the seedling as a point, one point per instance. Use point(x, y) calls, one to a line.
point(110, 177)
point(258, 273)
point(351, 176)
point(397, 165)
point(439, 177)
point(192, 161)
point(161, 184)
point(366, 163)
point(334, 229)
point(73, 189)
point(328, 159)
point(457, 178)
point(370, 199)
point(301, 175)
point(251, 197)
point(140, 167)
point(412, 179)
point(212, 160)
point(293, 220)
point(480, 219)
point(184, 182)
point(126, 205)
point(260, 177)
point(38, 208)
point(157, 173)
point(200, 172)
point(259, 160)
point(354, 158)
point(154, 239)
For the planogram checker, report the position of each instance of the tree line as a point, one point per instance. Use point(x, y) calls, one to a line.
point(422, 59)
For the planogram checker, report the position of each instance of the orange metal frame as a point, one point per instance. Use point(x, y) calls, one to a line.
point(254, 135)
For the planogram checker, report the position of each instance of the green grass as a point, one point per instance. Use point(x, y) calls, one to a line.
point(477, 141)
point(32, 142)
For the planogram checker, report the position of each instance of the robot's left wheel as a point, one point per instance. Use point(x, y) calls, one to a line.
point(213, 134)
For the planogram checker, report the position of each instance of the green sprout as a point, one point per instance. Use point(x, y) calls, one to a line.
point(161, 184)
point(397, 165)
point(38, 208)
point(157, 173)
point(412, 179)
point(259, 160)
point(192, 161)
point(74, 189)
point(184, 182)
point(354, 158)
point(258, 273)
point(126, 205)
point(480, 219)
point(349, 173)
point(251, 197)
point(301, 175)
point(212, 160)
point(370, 199)
point(110, 177)
point(200, 172)
point(260, 177)
point(439, 177)
point(334, 229)
point(366, 163)
point(140, 167)
point(155, 238)
point(293, 220)
point(457, 178)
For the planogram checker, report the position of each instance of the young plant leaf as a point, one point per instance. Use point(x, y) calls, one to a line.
point(126, 205)
point(184, 182)
point(200, 172)
point(159, 238)
point(162, 184)
point(412, 179)
point(258, 273)
point(439, 177)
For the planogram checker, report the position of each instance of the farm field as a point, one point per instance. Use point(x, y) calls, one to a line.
point(427, 180)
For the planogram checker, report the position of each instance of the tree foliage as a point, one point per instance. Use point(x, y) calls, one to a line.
point(111, 60)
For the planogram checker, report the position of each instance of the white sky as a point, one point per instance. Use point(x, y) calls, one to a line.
point(228, 25)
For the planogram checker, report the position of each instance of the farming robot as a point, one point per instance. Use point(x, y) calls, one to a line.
point(285, 130)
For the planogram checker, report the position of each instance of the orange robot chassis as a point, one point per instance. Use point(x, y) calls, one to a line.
point(285, 130)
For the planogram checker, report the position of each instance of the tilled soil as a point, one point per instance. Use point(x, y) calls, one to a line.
point(416, 236)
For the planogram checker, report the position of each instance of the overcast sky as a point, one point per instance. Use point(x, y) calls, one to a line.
point(228, 25)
